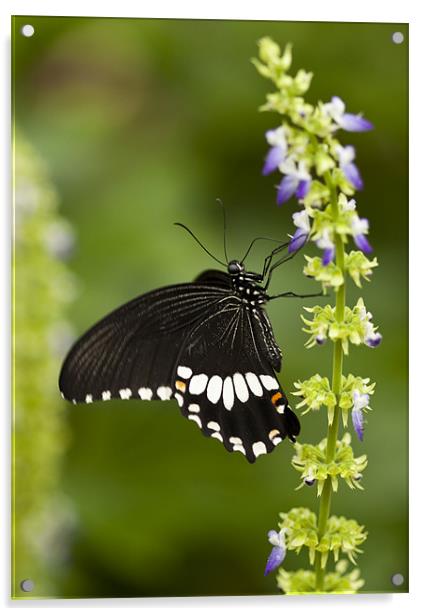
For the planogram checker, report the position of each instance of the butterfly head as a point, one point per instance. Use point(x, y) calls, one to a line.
point(236, 267)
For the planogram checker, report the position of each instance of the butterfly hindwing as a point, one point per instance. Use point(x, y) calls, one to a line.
point(226, 384)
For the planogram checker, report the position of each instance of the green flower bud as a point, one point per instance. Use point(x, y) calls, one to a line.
point(328, 275)
point(344, 535)
point(323, 161)
point(300, 526)
point(355, 328)
point(273, 65)
point(269, 51)
point(359, 266)
point(302, 82)
point(341, 534)
point(337, 582)
point(339, 179)
point(318, 195)
point(311, 462)
point(316, 392)
point(319, 123)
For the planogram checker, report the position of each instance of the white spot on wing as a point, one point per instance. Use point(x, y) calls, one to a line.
point(214, 389)
point(254, 384)
point(275, 437)
point(184, 372)
point(194, 408)
point(241, 387)
point(145, 393)
point(106, 395)
point(218, 436)
point(280, 408)
point(198, 384)
point(213, 425)
point(179, 399)
point(239, 448)
point(228, 393)
point(235, 440)
point(89, 399)
point(125, 394)
point(164, 393)
point(259, 448)
point(196, 419)
point(269, 382)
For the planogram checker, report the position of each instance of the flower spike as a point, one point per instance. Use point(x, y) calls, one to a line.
point(321, 173)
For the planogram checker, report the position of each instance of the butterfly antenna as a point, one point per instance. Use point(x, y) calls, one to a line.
point(179, 224)
point(224, 227)
point(252, 243)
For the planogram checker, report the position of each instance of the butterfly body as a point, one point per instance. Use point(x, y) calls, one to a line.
point(253, 297)
point(208, 344)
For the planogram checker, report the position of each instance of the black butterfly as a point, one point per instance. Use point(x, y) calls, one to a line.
point(209, 344)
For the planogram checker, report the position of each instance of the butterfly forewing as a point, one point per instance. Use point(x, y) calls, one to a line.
point(132, 352)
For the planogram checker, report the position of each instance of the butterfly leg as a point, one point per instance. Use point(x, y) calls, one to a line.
point(268, 260)
point(270, 268)
point(291, 294)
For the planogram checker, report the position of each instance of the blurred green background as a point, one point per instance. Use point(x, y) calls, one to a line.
point(141, 123)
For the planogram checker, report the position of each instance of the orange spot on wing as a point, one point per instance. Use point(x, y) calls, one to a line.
point(181, 386)
point(276, 397)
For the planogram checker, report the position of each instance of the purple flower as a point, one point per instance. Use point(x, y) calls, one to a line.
point(301, 220)
point(296, 181)
point(346, 157)
point(278, 152)
point(326, 244)
point(360, 401)
point(328, 255)
point(348, 206)
point(358, 423)
point(297, 241)
point(362, 243)
point(373, 339)
point(278, 552)
point(359, 229)
point(348, 121)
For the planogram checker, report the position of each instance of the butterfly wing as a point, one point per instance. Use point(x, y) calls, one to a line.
point(132, 352)
point(198, 343)
point(226, 383)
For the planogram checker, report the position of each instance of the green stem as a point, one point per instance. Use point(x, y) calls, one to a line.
point(333, 429)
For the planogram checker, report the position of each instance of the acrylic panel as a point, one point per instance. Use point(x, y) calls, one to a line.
point(121, 128)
